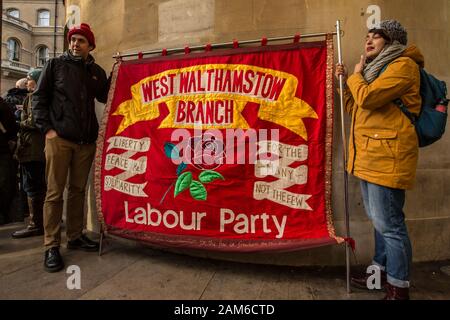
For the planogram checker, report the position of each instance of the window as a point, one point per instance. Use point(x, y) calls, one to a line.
point(13, 49)
point(13, 13)
point(42, 56)
point(44, 18)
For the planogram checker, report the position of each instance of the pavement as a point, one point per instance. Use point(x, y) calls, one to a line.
point(130, 270)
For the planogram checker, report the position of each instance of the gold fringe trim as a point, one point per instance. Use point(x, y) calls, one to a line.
point(100, 147)
point(329, 137)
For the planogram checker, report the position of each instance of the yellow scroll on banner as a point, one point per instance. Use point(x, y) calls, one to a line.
point(214, 96)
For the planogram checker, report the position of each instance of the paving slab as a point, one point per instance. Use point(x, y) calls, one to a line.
point(157, 277)
point(130, 270)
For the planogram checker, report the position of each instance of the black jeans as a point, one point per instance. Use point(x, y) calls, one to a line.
point(7, 186)
point(33, 178)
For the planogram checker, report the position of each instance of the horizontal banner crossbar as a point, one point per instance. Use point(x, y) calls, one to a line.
point(219, 45)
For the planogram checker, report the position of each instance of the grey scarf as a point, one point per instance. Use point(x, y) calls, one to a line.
point(387, 55)
point(68, 54)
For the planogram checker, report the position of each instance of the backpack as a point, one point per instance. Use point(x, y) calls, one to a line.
point(432, 119)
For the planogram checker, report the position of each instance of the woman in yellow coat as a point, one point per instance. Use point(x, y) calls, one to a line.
point(383, 145)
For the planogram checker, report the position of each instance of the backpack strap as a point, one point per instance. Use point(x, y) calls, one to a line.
point(399, 103)
point(411, 116)
point(383, 69)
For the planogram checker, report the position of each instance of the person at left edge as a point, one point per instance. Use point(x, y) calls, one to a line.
point(30, 154)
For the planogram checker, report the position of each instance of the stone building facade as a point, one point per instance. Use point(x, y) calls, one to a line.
point(29, 36)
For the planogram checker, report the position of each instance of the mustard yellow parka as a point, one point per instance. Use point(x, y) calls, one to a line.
point(383, 145)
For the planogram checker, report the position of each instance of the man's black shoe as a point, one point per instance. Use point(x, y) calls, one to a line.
point(29, 231)
point(83, 243)
point(53, 261)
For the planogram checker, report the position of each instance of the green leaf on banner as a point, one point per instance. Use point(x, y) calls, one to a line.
point(183, 182)
point(209, 176)
point(171, 150)
point(198, 191)
point(180, 168)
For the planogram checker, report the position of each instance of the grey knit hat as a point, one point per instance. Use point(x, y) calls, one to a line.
point(393, 30)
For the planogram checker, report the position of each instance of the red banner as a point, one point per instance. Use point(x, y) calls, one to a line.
point(224, 150)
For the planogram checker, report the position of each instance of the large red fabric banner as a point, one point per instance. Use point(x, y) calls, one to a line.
point(223, 150)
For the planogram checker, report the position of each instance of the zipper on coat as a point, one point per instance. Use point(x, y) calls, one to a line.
point(352, 128)
point(84, 111)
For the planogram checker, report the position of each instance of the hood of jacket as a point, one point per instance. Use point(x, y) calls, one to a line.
point(414, 53)
point(17, 92)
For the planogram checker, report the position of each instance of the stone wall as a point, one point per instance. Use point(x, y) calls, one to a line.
point(130, 26)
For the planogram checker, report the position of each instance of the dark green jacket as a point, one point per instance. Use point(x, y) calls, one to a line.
point(31, 140)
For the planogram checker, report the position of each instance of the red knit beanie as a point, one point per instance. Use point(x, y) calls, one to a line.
point(85, 30)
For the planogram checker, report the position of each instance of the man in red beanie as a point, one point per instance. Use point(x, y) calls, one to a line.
point(64, 110)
